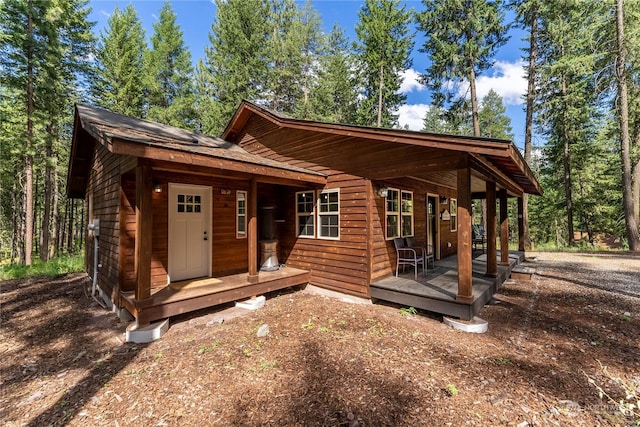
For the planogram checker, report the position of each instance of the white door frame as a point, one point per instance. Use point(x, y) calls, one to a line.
point(436, 214)
point(207, 209)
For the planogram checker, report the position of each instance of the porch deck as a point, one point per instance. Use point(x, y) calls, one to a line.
point(208, 292)
point(437, 290)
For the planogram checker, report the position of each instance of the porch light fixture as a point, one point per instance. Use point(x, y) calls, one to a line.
point(157, 188)
point(443, 200)
point(383, 191)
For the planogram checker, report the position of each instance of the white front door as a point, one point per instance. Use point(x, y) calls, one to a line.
point(189, 231)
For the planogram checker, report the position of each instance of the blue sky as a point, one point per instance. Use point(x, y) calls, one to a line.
point(196, 16)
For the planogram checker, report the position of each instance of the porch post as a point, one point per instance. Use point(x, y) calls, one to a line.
point(492, 261)
point(504, 229)
point(253, 232)
point(465, 285)
point(521, 224)
point(144, 230)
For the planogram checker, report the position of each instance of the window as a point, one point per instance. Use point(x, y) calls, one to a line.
point(453, 208)
point(241, 214)
point(392, 213)
point(305, 219)
point(329, 214)
point(407, 213)
point(189, 203)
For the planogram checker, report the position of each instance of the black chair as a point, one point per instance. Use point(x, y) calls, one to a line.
point(407, 256)
point(478, 237)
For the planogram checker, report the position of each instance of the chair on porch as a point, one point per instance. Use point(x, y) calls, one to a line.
point(425, 252)
point(478, 237)
point(407, 256)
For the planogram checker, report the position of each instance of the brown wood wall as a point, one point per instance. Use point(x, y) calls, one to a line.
point(228, 255)
point(104, 186)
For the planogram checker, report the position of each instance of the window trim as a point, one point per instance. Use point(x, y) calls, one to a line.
point(320, 214)
point(241, 234)
point(410, 214)
point(388, 213)
point(453, 212)
point(311, 214)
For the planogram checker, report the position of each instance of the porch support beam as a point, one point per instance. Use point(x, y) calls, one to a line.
point(144, 232)
point(504, 229)
point(521, 224)
point(492, 260)
point(253, 232)
point(465, 283)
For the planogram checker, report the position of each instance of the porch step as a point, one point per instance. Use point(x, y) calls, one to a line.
point(146, 334)
point(520, 272)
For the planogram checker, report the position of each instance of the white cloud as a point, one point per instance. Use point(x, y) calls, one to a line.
point(412, 115)
point(105, 13)
point(508, 79)
point(410, 81)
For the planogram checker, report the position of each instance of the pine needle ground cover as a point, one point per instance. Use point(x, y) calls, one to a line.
point(554, 344)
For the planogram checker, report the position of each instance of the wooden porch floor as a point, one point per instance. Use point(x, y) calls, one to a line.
point(209, 292)
point(437, 290)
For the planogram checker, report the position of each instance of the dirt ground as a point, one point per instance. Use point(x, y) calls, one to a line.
point(327, 362)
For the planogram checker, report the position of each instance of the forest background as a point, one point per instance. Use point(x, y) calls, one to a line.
point(582, 100)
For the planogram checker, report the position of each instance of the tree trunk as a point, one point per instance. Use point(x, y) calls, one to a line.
point(55, 219)
point(531, 95)
point(381, 86)
point(70, 231)
point(631, 220)
point(46, 215)
point(474, 99)
point(566, 161)
point(28, 167)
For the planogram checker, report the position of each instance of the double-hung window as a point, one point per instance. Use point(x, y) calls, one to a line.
point(305, 213)
point(241, 214)
point(406, 207)
point(392, 210)
point(329, 214)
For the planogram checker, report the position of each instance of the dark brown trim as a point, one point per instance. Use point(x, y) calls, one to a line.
point(465, 282)
point(252, 235)
point(144, 231)
point(492, 262)
point(504, 228)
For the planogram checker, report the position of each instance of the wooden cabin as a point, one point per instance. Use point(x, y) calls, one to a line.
point(188, 221)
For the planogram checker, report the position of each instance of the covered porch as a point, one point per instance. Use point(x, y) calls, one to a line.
point(437, 290)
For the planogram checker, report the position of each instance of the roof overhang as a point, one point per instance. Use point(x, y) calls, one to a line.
point(493, 159)
point(168, 146)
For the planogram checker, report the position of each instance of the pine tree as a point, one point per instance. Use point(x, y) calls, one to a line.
point(168, 74)
point(494, 122)
point(461, 38)
point(118, 85)
point(311, 47)
point(284, 88)
point(527, 17)
point(631, 218)
point(567, 93)
point(383, 48)
point(235, 65)
point(334, 97)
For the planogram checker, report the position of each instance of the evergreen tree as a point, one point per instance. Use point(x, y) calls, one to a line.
point(334, 97)
point(287, 33)
point(308, 26)
point(494, 122)
point(46, 48)
point(454, 121)
point(621, 80)
point(567, 93)
point(235, 65)
point(118, 85)
point(461, 38)
point(383, 48)
point(168, 74)
point(527, 17)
